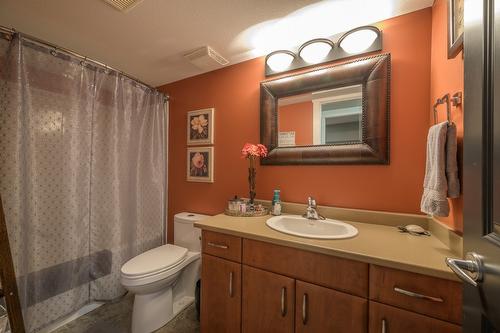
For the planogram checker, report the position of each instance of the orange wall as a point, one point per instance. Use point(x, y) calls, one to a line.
point(297, 117)
point(234, 93)
point(447, 76)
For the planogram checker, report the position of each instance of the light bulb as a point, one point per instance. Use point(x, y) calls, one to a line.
point(279, 61)
point(315, 51)
point(358, 41)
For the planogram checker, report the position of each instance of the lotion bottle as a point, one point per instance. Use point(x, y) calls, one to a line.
point(276, 203)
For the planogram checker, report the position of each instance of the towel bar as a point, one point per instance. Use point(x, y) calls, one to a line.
point(455, 100)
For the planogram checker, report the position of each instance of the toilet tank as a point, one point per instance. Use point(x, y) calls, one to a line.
point(185, 233)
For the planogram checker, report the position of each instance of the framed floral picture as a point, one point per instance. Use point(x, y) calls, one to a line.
point(200, 164)
point(200, 127)
point(455, 27)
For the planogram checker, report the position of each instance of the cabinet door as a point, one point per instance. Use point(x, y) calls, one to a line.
point(220, 295)
point(268, 302)
point(388, 319)
point(319, 309)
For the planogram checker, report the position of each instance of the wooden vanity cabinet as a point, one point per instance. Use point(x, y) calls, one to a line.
point(325, 270)
point(268, 302)
point(320, 309)
point(253, 286)
point(276, 303)
point(220, 295)
point(267, 268)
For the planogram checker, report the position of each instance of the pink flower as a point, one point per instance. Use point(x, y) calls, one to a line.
point(198, 123)
point(263, 150)
point(198, 160)
point(250, 149)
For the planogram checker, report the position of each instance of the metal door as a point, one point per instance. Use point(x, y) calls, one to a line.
point(480, 268)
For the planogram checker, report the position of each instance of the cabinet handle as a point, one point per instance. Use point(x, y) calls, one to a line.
point(283, 301)
point(219, 246)
point(384, 326)
point(230, 284)
point(417, 295)
point(304, 309)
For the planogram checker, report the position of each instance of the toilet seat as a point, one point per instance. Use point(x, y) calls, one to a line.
point(157, 277)
point(154, 261)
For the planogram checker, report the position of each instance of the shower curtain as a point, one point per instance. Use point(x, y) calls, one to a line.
point(82, 176)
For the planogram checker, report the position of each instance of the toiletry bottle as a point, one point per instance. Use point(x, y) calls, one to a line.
point(276, 203)
point(233, 204)
point(276, 197)
point(243, 207)
point(277, 208)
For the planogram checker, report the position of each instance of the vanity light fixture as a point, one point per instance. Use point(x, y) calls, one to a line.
point(357, 41)
point(280, 60)
point(316, 50)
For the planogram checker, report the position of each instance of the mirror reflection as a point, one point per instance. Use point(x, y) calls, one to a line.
point(326, 117)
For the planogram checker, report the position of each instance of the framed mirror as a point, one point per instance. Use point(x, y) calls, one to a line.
point(333, 115)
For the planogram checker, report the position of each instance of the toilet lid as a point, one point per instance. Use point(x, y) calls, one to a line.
point(155, 260)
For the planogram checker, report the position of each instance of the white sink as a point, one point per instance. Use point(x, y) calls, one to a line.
point(321, 229)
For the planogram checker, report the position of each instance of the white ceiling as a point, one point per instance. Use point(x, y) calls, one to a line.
point(148, 42)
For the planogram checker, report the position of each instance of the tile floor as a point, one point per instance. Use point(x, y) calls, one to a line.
point(115, 318)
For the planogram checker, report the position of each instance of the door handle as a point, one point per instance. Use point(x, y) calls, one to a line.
point(384, 326)
point(283, 301)
point(219, 246)
point(230, 284)
point(469, 270)
point(417, 295)
point(304, 309)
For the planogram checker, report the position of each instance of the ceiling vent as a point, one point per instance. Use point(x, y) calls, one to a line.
point(123, 5)
point(206, 58)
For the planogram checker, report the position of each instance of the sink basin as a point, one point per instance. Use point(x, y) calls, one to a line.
point(320, 229)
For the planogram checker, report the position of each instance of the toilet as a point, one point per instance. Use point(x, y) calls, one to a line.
point(163, 279)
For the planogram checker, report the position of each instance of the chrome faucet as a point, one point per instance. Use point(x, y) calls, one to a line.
point(311, 212)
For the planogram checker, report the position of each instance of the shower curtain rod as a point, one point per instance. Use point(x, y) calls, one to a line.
point(11, 31)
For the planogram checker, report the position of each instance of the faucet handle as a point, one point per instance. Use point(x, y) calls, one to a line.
point(311, 202)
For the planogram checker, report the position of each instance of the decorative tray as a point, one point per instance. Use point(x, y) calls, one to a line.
point(253, 213)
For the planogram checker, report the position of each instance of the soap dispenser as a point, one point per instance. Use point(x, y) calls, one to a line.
point(276, 203)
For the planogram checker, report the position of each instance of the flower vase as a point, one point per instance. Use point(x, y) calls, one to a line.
point(251, 179)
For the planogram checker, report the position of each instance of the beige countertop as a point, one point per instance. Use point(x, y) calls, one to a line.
point(375, 244)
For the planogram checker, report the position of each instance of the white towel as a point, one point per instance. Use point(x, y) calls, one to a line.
point(441, 172)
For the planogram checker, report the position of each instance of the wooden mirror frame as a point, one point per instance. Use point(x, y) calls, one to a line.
point(372, 73)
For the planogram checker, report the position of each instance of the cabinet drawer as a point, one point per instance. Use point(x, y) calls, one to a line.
point(388, 319)
point(319, 309)
point(427, 295)
point(336, 273)
point(221, 245)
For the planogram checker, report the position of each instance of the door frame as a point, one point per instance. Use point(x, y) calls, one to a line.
point(478, 154)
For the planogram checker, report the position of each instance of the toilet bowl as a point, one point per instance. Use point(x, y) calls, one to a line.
point(163, 279)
